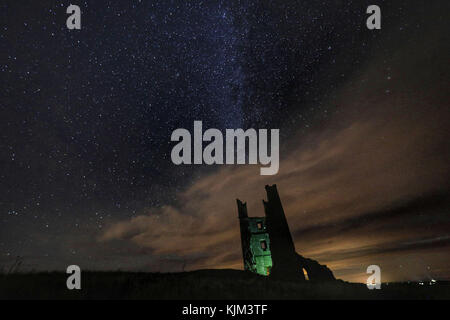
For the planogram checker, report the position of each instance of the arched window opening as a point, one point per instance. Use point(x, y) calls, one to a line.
point(264, 245)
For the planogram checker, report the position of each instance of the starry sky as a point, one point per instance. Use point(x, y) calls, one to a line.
point(86, 118)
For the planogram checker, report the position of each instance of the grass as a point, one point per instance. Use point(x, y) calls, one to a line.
point(201, 284)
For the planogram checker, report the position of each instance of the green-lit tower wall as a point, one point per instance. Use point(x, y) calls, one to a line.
point(255, 242)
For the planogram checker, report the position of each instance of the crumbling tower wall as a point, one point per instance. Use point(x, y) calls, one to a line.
point(284, 257)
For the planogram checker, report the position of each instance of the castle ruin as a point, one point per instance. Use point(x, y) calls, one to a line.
point(268, 248)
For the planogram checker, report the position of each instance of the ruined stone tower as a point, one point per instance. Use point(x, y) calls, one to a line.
point(267, 244)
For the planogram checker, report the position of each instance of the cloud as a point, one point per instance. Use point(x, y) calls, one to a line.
point(370, 186)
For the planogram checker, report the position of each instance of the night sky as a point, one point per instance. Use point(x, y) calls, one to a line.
point(86, 117)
